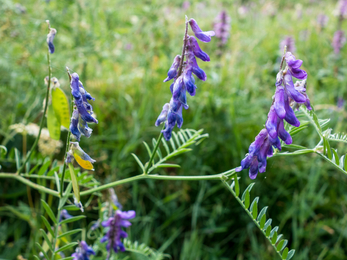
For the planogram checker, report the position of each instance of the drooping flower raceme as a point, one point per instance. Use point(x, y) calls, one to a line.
point(50, 38)
point(287, 95)
point(83, 251)
point(81, 116)
point(115, 233)
point(183, 80)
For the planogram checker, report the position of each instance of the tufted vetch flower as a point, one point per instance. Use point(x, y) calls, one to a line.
point(181, 71)
point(115, 233)
point(287, 95)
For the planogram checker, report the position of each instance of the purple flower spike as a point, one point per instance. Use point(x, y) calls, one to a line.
point(184, 81)
point(197, 51)
point(83, 251)
point(50, 38)
point(115, 232)
point(286, 94)
point(173, 70)
point(84, 108)
point(202, 36)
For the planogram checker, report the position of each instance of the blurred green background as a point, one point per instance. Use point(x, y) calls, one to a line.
point(122, 51)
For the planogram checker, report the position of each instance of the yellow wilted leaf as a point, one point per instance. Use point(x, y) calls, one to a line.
point(61, 107)
point(83, 163)
point(53, 123)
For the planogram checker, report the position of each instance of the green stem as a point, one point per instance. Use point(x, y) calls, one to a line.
point(153, 153)
point(250, 215)
point(67, 143)
point(56, 229)
point(160, 177)
point(43, 116)
point(29, 183)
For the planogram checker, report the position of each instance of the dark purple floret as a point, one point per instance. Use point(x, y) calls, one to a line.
point(172, 73)
point(115, 233)
point(83, 251)
point(202, 36)
point(196, 49)
point(286, 94)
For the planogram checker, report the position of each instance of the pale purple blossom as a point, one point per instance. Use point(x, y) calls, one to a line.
point(222, 27)
point(289, 42)
point(339, 41)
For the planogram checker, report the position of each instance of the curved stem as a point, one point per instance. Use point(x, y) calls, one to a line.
point(160, 177)
point(43, 116)
point(29, 183)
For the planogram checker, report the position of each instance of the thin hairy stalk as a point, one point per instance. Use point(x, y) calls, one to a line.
point(180, 68)
point(43, 116)
point(160, 177)
point(153, 153)
point(228, 173)
point(250, 215)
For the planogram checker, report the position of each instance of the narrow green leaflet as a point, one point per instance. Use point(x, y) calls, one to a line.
point(49, 211)
point(53, 123)
point(61, 107)
point(69, 233)
point(48, 226)
point(73, 219)
point(47, 239)
point(66, 247)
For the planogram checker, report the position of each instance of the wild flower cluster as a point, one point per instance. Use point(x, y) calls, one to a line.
point(339, 39)
point(183, 81)
point(287, 95)
point(81, 116)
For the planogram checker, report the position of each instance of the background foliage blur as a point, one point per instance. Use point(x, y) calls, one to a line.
point(122, 51)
